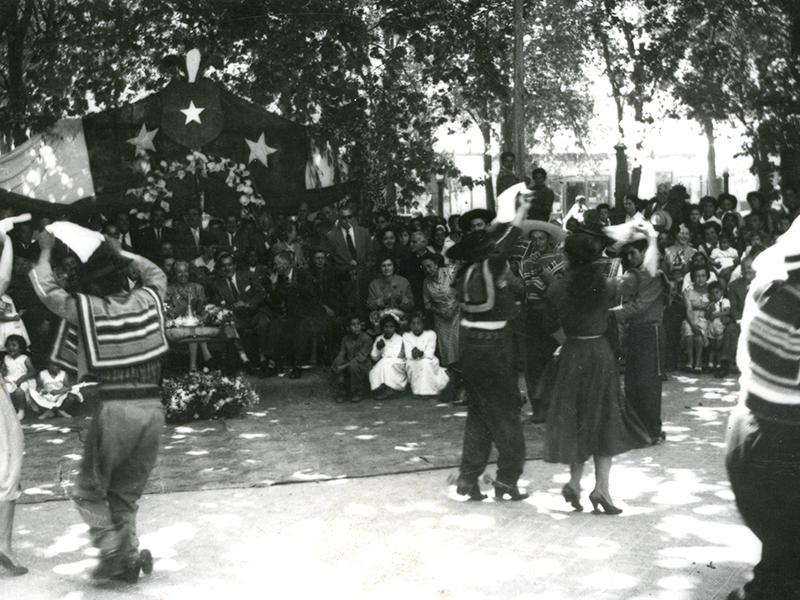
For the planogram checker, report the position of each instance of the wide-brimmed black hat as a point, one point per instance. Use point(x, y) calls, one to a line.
point(473, 246)
point(476, 213)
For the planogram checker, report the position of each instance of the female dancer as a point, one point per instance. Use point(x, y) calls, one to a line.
point(10, 443)
point(587, 415)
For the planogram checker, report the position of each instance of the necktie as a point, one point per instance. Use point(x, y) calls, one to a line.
point(230, 240)
point(351, 246)
point(196, 236)
point(234, 289)
point(158, 235)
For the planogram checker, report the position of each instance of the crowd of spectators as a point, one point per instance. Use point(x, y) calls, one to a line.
point(319, 287)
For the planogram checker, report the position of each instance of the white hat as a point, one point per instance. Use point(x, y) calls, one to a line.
point(80, 240)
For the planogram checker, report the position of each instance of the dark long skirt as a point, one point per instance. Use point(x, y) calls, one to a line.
point(588, 415)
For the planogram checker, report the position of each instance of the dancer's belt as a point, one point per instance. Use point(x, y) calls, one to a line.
point(116, 391)
point(484, 325)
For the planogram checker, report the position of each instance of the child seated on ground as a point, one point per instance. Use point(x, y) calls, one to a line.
point(54, 393)
point(351, 365)
point(389, 372)
point(17, 372)
point(425, 375)
point(717, 314)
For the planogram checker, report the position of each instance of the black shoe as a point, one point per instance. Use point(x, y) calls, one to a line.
point(502, 489)
point(473, 491)
point(294, 373)
point(146, 561)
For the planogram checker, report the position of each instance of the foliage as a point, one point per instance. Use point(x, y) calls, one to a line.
point(205, 395)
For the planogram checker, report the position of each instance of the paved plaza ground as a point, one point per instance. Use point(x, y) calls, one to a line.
point(396, 530)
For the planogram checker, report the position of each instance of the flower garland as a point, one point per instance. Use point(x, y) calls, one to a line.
point(197, 164)
point(205, 395)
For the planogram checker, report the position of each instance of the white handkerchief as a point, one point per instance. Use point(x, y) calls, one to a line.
point(7, 225)
point(80, 240)
point(507, 202)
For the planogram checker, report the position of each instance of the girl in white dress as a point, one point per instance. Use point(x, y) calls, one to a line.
point(54, 392)
point(390, 362)
point(17, 372)
point(11, 444)
point(427, 378)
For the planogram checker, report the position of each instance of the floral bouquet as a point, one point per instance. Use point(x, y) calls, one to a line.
point(205, 395)
point(217, 316)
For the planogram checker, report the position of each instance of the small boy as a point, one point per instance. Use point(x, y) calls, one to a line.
point(351, 366)
point(724, 257)
point(718, 315)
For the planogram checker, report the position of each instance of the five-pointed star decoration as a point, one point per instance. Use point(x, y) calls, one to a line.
point(259, 150)
point(192, 113)
point(143, 140)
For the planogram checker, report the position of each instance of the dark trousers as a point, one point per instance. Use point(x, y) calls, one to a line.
point(118, 455)
point(290, 338)
point(643, 374)
point(493, 411)
point(730, 341)
point(539, 348)
point(763, 463)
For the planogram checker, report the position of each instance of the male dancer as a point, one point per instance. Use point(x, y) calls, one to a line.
point(485, 290)
point(115, 338)
point(644, 299)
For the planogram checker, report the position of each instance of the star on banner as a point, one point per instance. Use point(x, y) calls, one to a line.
point(192, 113)
point(143, 140)
point(259, 150)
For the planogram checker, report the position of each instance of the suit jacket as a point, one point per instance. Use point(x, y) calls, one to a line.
point(185, 246)
point(340, 253)
point(241, 242)
point(295, 298)
point(251, 292)
point(327, 287)
point(146, 244)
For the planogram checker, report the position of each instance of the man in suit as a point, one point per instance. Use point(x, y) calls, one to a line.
point(190, 239)
point(148, 241)
point(352, 256)
point(246, 297)
point(123, 223)
point(22, 240)
point(233, 239)
point(328, 315)
point(265, 236)
point(294, 301)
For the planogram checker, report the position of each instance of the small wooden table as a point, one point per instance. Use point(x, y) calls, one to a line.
point(201, 333)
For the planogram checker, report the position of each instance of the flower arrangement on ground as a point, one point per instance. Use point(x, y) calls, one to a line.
point(205, 395)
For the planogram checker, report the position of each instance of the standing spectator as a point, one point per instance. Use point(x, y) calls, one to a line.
point(265, 236)
point(678, 256)
point(328, 315)
point(233, 239)
point(576, 211)
point(148, 241)
point(695, 326)
point(351, 254)
point(604, 214)
point(22, 239)
point(760, 207)
point(419, 248)
point(122, 221)
point(191, 238)
point(289, 241)
point(542, 197)
point(630, 206)
point(718, 314)
point(506, 177)
point(711, 231)
point(708, 208)
point(439, 299)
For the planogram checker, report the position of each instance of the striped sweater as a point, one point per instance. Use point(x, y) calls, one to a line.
point(769, 352)
point(106, 337)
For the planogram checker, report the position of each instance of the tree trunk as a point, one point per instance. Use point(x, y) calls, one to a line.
point(15, 52)
point(636, 178)
point(486, 132)
point(519, 88)
point(712, 188)
point(762, 166)
point(620, 177)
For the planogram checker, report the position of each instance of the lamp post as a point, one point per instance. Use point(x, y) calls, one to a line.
point(440, 193)
point(726, 175)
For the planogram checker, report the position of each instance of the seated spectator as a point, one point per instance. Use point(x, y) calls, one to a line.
point(694, 225)
point(389, 292)
point(718, 315)
point(730, 227)
point(695, 326)
point(351, 366)
point(191, 237)
point(148, 240)
point(254, 266)
point(203, 266)
point(425, 375)
point(53, 393)
point(293, 303)
point(737, 293)
point(389, 371)
point(289, 241)
point(18, 372)
point(232, 239)
point(185, 298)
point(246, 298)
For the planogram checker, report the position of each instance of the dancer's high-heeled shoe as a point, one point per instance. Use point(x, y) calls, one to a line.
point(597, 498)
point(11, 566)
point(572, 496)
